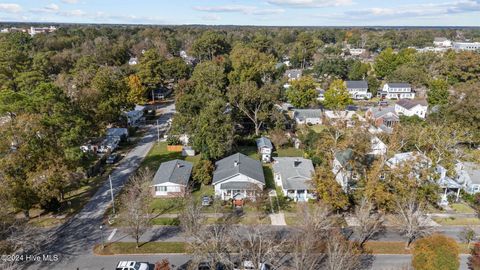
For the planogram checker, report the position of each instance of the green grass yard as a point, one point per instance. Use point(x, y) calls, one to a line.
point(457, 221)
point(462, 208)
point(289, 152)
point(144, 248)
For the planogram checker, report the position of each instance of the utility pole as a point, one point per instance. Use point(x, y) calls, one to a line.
point(103, 241)
point(111, 193)
point(158, 132)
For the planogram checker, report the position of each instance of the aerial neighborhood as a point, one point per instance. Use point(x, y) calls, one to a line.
point(240, 147)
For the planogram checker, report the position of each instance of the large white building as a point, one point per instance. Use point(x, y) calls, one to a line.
point(397, 91)
point(410, 107)
point(466, 46)
point(442, 42)
point(358, 89)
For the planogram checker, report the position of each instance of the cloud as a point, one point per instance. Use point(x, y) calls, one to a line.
point(418, 10)
point(10, 8)
point(310, 3)
point(249, 10)
point(52, 7)
point(70, 1)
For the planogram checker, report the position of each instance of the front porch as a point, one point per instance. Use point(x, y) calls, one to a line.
point(299, 195)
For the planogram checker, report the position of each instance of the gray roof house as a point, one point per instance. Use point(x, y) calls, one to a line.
point(237, 176)
point(265, 148)
point(264, 142)
point(469, 175)
point(293, 74)
point(356, 84)
point(308, 116)
point(293, 175)
point(171, 178)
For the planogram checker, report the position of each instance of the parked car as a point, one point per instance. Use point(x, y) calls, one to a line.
point(132, 265)
point(249, 265)
point(206, 266)
point(206, 200)
point(112, 158)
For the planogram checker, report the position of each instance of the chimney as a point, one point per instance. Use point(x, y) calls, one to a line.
point(296, 163)
point(235, 163)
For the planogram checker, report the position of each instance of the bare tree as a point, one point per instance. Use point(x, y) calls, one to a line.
point(370, 222)
point(341, 253)
point(411, 218)
point(135, 208)
point(306, 244)
point(207, 243)
point(468, 235)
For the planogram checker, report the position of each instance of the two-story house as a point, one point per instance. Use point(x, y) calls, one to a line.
point(358, 89)
point(410, 107)
point(397, 91)
point(382, 117)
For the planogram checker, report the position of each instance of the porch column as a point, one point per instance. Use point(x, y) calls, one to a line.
point(458, 194)
point(295, 194)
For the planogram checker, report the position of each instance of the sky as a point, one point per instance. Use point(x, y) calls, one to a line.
point(248, 12)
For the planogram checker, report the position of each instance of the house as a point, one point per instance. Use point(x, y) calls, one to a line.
point(384, 118)
point(358, 89)
point(293, 74)
point(356, 51)
point(442, 42)
point(469, 176)
point(448, 185)
point(308, 116)
point(135, 116)
point(238, 177)
point(378, 148)
point(342, 169)
point(172, 178)
point(120, 133)
point(265, 149)
point(293, 176)
point(466, 46)
point(397, 91)
point(409, 107)
point(133, 61)
point(320, 94)
point(348, 117)
point(421, 161)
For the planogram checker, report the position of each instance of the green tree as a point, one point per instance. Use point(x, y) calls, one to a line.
point(385, 63)
point(358, 71)
point(302, 93)
point(303, 50)
point(202, 172)
point(209, 45)
point(253, 102)
point(328, 189)
point(136, 93)
point(437, 92)
point(151, 69)
point(251, 65)
point(337, 96)
point(336, 67)
point(213, 134)
point(436, 252)
point(176, 69)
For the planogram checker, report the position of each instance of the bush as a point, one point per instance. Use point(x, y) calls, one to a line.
point(173, 140)
point(202, 172)
point(436, 252)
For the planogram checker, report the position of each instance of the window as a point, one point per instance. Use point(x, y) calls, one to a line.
point(161, 189)
point(174, 189)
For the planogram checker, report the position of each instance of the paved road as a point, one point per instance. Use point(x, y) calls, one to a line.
point(75, 239)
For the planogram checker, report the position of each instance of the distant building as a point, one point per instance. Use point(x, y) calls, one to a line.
point(410, 107)
point(172, 178)
point(356, 52)
point(358, 89)
point(466, 46)
point(133, 61)
point(308, 116)
point(265, 148)
point(442, 42)
point(293, 74)
point(397, 91)
point(39, 30)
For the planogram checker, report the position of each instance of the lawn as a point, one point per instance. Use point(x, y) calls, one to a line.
point(159, 154)
point(317, 128)
point(289, 152)
point(457, 221)
point(166, 205)
point(166, 221)
point(462, 208)
point(144, 248)
point(249, 150)
point(399, 248)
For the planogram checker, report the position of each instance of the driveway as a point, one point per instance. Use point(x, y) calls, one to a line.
point(75, 239)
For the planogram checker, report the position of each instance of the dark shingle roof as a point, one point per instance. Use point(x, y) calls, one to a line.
point(356, 84)
point(174, 171)
point(238, 164)
point(409, 103)
point(264, 142)
point(239, 185)
point(307, 113)
point(344, 156)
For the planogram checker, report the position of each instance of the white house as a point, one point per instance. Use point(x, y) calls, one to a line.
point(409, 107)
point(466, 46)
point(358, 89)
point(356, 51)
point(379, 148)
point(265, 148)
point(397, 91)
point(342, 169)
point(442, 42)
point(348, 117)
point(133, 61)
point(469, 176)
point(237, 177)
point(293, 176)
point(308, 116)
point(171, 178)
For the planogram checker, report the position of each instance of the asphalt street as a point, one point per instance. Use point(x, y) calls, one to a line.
point(74, 240)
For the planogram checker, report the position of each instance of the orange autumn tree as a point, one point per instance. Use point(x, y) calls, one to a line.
point(436, 252)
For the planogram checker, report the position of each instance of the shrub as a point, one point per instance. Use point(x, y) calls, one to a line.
point(436, 252)
point(202, 172)
point(173, 140)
